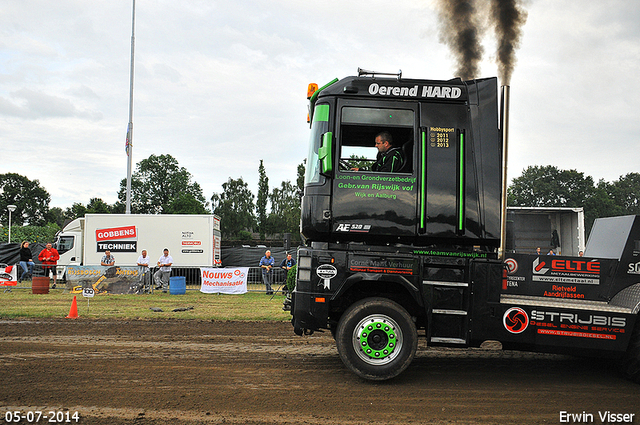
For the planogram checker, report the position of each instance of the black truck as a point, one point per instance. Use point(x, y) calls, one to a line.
point(392, 255)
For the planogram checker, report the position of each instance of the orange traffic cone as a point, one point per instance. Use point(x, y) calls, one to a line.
point(73, 312)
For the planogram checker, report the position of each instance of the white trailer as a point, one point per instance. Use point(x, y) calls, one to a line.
point(193, 240)
point(557, 228)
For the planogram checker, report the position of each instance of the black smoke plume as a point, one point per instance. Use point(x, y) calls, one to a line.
point(508, 18)
point(461, 31)
point(462, 28)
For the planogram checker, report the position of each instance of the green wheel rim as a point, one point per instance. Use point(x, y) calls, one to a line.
point(377, 339)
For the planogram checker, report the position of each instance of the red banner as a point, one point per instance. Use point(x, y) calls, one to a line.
point(126, 232)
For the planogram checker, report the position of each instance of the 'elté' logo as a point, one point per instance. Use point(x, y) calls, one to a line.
point(563, 265)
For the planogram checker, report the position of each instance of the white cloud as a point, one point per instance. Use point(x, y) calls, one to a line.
point(221, 85)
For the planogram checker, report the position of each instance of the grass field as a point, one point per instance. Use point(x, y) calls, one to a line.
point(252, 306)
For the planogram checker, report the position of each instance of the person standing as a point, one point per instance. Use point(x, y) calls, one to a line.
point(267, 262)
point(161, 277)
point(49, 258)
point(108, 259)
point(143, 271)
point(287, 264)
point(26, 261)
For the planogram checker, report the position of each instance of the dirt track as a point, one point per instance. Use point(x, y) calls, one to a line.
point(193, 372)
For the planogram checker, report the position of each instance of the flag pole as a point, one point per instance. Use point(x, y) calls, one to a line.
point(129, 142)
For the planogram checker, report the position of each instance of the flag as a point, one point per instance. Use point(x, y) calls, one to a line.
point(128, 139)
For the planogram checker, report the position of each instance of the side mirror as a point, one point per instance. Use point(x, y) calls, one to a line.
point(325, 154)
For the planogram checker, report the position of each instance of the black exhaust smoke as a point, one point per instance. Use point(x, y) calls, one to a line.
point(508, 19)
point(461, 31)
point(463, 25)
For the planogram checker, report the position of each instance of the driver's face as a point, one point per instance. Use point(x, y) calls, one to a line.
point(382, 146)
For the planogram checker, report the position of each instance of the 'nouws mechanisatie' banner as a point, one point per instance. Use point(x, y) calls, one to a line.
point(224, 281)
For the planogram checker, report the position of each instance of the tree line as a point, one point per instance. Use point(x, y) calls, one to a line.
point(160, 186)
point(548, 186)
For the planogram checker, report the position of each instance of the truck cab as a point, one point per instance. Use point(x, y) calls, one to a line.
point(70, 245)
point(445, 192)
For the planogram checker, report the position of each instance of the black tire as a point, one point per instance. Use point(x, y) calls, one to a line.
point(631, 359)
point(376, 339)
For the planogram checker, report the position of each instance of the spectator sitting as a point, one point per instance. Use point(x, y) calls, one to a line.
point(143, 271)
point(26, 261)
point(161, 277)
point(108, 259)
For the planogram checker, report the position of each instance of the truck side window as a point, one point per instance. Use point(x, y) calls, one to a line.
point(359, 127)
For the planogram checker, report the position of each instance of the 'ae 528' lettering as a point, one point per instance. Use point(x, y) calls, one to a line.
point(357, 228)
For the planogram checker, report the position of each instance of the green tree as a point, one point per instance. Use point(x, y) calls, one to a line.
point(235, 207)
point(30, 199)
point(187, 204)
point(77, 210)
point(547, 186)
point(625, 193)
point(285, 209)
point(156, 183)
point(300, 178)
point(56, 215)
point(33, 234)
point(98, 206)
point(261, 204)
point(95, 206)
point(119, 207)
point(600, 204)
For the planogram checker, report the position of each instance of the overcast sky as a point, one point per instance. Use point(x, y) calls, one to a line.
point(220, 85)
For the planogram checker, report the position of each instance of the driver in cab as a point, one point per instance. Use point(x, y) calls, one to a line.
point(389, 158)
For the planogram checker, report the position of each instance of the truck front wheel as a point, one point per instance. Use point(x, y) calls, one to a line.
point(376, 338)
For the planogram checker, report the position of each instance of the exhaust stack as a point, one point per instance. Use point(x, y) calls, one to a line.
point(504, 128)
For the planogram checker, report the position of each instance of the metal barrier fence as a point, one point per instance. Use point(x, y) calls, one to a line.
point(191, 274)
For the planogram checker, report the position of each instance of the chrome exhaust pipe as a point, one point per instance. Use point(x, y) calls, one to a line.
point(504, 128)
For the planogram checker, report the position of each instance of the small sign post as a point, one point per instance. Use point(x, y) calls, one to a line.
point(88, 293)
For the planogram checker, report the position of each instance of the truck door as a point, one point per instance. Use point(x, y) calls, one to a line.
point(367, 202)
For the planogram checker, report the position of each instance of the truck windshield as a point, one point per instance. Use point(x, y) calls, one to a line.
point(64, 244)
point(319, 126)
